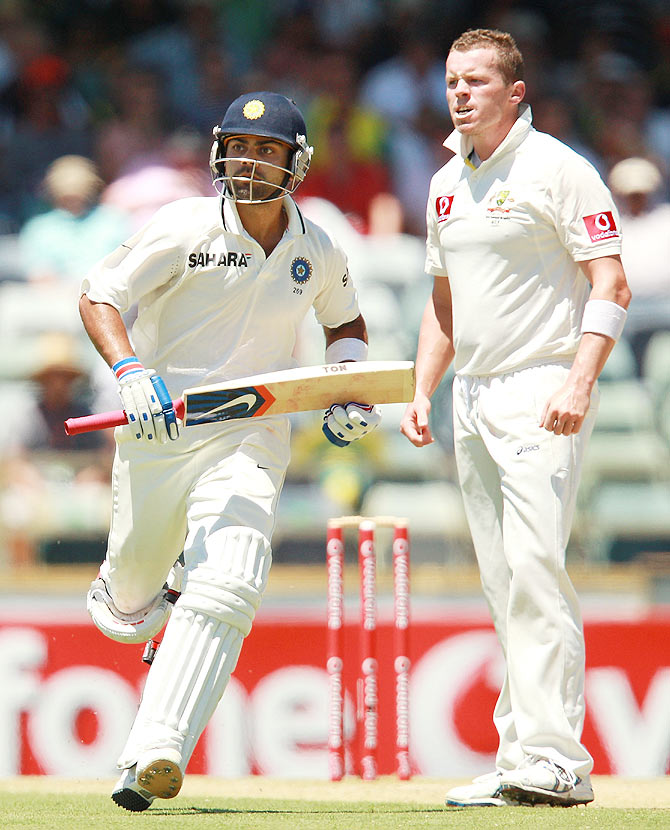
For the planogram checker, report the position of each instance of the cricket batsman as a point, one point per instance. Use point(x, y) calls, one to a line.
point(221, 285)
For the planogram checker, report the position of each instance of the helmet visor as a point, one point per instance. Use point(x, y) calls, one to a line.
point(248, 181)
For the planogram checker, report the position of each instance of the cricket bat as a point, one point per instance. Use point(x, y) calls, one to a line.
point(274, 393)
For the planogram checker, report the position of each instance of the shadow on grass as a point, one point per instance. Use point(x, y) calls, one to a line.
point(195, 811)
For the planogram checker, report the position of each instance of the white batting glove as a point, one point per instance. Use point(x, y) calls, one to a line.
point(146, 402)
point(344, 424)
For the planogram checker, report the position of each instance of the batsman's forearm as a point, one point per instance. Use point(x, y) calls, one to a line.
point(356, 329)
point(106, 330)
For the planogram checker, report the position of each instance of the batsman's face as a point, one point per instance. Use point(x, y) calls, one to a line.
point(480, 100)
point(256, 165)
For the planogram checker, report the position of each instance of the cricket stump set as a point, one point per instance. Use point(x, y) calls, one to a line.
point(367, 688)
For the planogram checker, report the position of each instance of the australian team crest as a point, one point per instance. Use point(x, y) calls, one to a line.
point(301, 270)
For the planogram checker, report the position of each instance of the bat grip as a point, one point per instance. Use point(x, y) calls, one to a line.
point(106, 420)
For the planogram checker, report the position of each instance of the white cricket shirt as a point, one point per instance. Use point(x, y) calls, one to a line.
point(211, 305)
point(509, 235)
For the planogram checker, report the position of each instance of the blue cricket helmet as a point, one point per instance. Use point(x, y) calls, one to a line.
point(267, 114)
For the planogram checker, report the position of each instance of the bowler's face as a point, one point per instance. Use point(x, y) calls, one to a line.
point(480, 101)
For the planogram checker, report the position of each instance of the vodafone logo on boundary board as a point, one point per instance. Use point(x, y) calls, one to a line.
point(601, 226)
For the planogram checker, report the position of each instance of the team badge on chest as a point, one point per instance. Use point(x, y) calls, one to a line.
point(301, 270)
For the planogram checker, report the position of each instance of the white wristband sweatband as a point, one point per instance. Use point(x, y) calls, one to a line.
point(604, 317)
point(347, 348)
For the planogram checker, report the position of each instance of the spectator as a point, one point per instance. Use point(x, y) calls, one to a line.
point(350, 184)
point(52, 121)
point(185, 150)
point(174, 49)
point(349, 168)
point(408, 91)
point(637, 184)
point(415, 153)
point(553, 114)
point(62, 244)
point(135, 136)
point(139, 193)
point(52, 484)
point(400, 88)
point(212, 92)
point(617, 109)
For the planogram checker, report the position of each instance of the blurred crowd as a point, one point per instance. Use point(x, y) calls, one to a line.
point(106, 112)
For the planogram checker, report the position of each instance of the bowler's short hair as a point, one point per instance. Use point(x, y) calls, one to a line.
point(510, 59)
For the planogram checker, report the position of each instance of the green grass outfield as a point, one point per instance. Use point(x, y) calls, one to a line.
point(47, 803)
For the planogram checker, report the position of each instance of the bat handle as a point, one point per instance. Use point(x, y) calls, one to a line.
point(106, 420)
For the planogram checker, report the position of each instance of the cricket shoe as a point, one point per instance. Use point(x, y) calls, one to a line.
point(158, 773)
point(484, 791)
point(129, 794)
point(140, 626)
point(542, 781)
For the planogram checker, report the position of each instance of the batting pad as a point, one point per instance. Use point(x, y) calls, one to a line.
point(220, 595)
point(227, 574)
point(139, 626)
point(186, 681)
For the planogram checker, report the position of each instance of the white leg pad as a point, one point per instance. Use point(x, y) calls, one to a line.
point(139, 626)
point(200, 649)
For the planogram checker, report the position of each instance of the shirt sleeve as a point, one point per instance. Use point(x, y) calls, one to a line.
point(434, 255)
point(586, 217)
point(337, 301)
point(149, 259)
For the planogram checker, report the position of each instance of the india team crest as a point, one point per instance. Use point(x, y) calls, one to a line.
point(253, 109)
point(301, 270)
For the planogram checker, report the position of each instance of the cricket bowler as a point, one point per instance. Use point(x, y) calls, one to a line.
point(529, 297)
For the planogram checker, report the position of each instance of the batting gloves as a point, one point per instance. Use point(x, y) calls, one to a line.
point(344, 424)
point(146, 401)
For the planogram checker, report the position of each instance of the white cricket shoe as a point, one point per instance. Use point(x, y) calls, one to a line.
point(541, 781)
point(129, 794)
point(484, 791)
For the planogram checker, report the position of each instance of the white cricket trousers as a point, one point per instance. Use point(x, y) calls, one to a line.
point(184, 495)
point(519, 485)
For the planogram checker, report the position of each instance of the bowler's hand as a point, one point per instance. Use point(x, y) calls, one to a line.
point(565, 410)
point(344, 424)
point(414, 424)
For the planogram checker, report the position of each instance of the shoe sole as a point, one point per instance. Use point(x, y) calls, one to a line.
point(533, 795)
point(130, 800)
point(479, 802)
point(161, 778)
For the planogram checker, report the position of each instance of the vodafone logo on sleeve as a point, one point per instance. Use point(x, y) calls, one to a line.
point(443, 207)
point(601, 226)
